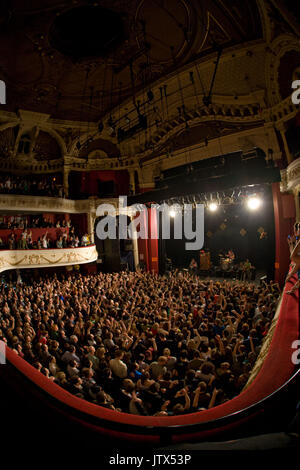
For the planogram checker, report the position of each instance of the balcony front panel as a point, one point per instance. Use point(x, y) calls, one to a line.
point(45, 258)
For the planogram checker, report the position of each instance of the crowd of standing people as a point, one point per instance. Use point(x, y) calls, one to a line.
point(140, 343)
point(66, 235)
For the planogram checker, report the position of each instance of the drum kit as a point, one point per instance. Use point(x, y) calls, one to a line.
point(225, 263)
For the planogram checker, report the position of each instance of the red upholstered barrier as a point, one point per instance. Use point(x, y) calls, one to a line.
point(275, 371)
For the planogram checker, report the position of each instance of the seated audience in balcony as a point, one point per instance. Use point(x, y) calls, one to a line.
point(43, 186)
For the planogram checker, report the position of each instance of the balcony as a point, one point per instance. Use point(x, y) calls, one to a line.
point(290, 177)
point(45, 258)
point(39, 204)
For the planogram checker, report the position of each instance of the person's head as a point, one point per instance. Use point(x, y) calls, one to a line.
point(52, 360)
point(162, 360)
point(128, 385)
point(178, 409)
point(72, 364)
point(45, 371)
point(190, 375)
point(77, 381)
point(87, 373)
point(119, 354)
point(100, 353)
point(61, 376)
point(167, 376)
point(203, 386)
point(101, 398)
point(207, 368)
point(224, 366)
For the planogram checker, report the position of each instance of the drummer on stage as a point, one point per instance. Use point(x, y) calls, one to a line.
point(230, 255)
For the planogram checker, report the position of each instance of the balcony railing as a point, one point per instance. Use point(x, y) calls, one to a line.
point(13, 202)
point(45, 258)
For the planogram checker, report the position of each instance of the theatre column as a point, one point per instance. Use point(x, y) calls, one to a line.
point(135, 247)
point(143, 248)
point(66, 182)
point(153, 240)
point(132, 181)
point(91, 217)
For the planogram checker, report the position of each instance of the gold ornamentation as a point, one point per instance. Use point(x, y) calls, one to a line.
point(35, 258)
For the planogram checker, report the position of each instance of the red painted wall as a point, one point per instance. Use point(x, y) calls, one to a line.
point(153, 241)
point(148, 249)
point(143, 245)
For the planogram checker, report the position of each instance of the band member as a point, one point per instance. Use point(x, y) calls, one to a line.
point(231, 255)
point(246, 270)
point(193, 267)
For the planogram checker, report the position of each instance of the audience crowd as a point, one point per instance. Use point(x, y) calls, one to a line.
point(65, 238)
point(35, 221)
point(44, 186)
point(137, 342)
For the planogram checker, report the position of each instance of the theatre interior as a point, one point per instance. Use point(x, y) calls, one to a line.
point(144, 112)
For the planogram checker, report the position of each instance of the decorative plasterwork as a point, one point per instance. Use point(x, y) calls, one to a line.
point(290, 177)
point(263, 137)
point(21, 259)
point(276, 50)
point(243, 96)
point(50, 204)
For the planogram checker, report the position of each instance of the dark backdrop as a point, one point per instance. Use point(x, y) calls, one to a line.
point(223, 231)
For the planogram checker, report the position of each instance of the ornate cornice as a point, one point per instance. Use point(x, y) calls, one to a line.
point(10, 202)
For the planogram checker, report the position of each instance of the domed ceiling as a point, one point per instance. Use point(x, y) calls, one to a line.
point(78, 59)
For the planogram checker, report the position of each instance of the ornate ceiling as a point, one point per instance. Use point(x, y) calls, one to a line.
point(82, 76)
point(78, 59)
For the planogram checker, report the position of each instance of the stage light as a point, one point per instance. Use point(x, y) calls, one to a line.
point(253, 203)
point(172, 213)
point(213, 206)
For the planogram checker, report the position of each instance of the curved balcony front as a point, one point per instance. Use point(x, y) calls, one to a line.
point(45, 258)
point(40, 204)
